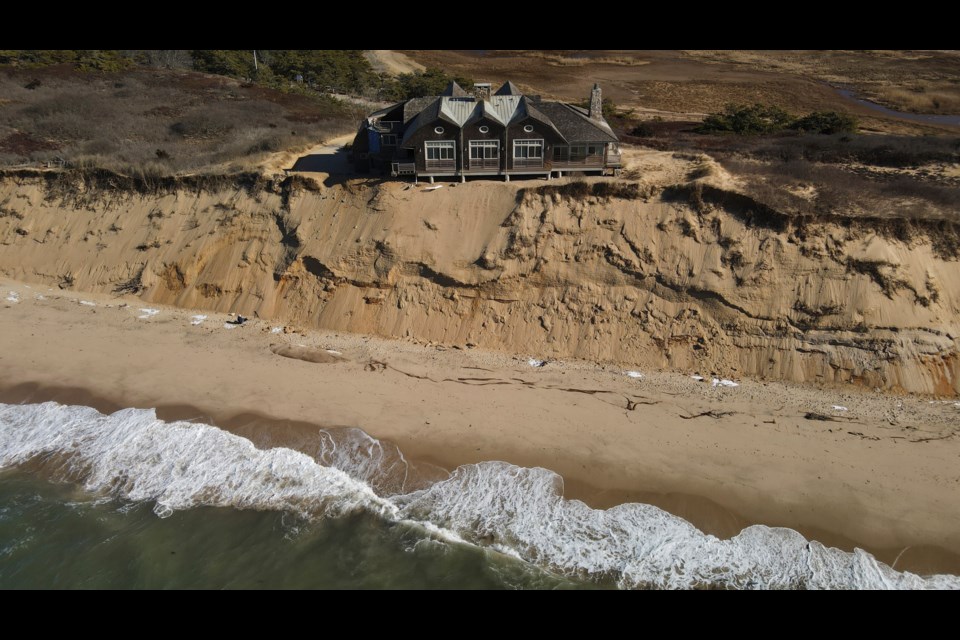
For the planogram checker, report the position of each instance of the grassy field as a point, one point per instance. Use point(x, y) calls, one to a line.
point(916, 81)
point(678, 84)
point(155, 121)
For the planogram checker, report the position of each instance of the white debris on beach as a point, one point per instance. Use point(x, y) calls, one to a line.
point(697, 378)
point(336, 353)
point(148, 313)
point(13, 297)
point(434, 187)
point(634, 374)
point(838, 407)
point(197, 319)
point(536, 363)
point(276, 330)
point(228, 325)
point(87, 303)
point(724, 383)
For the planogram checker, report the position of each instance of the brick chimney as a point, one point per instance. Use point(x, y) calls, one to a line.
point(596, 103)
point(481, 90)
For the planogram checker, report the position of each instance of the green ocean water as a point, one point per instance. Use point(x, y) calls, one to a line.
point(127, 500)
point(56, 536)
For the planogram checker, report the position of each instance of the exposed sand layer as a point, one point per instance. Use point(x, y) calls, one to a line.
point(679, 270)
point(842, 467)
point(392, 62)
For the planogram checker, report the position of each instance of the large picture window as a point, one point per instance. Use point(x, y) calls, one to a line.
point(532, 149)
point(440, 150)
point(484, 149)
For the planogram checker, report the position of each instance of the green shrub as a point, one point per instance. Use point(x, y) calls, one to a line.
point(827, 122)
point(431, 82)
point(747, 119)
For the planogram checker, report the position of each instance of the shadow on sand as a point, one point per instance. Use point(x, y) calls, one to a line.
point(336, 164)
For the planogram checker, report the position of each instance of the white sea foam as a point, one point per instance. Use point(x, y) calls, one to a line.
point(522, 510)
point(519, 511)
point(134, 455)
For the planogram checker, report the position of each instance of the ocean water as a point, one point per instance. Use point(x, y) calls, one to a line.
point(127, 500)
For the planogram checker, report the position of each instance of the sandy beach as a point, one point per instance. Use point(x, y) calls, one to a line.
point(846, 467)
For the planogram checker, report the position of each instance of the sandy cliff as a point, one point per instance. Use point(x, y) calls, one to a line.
point(672, 271)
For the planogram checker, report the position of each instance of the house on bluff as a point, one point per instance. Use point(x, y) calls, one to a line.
point(502, 133)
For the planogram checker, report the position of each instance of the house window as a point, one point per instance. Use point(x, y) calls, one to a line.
point(389, 139)
point(578, 152)
point(484, 149)
point(438, 130)
point(528, 128)
point(484, 129)
point(440, 150)
point(528, 149)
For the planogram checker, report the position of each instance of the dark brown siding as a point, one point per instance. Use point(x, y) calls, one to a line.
point(472, 132)
point(540, 131)
point(450, 132)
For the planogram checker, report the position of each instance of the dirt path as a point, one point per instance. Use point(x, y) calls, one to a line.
point(392, 62)
point(327, 158)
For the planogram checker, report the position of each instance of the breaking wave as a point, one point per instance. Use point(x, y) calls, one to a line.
point(135, 456)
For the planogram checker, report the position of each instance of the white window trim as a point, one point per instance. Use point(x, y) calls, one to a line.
point(485, 144)
point(538, 142)
point(440, 144)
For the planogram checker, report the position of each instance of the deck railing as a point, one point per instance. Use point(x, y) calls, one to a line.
point(528, 163)
point(588, 161)
point(386, 126)
point(404, 168)
point(484, 164)
point(441, 165)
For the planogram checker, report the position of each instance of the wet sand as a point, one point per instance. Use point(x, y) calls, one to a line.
point(881, 475)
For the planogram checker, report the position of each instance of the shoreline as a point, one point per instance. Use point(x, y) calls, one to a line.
point(759, 463)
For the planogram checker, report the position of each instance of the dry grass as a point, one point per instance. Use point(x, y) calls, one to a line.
point(579, 58)
point(923, 96)
point(153, 121)
point(799, 187)
point(917, 81)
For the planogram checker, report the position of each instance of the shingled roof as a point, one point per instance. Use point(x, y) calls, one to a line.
point(574, 123)
point(414, 106)
point(508, 89)
point(454, 90)
point(508, 104)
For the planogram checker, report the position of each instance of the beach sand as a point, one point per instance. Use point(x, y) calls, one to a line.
point(882, 475)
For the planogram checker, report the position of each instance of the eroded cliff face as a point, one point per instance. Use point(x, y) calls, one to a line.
point(694, 277)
